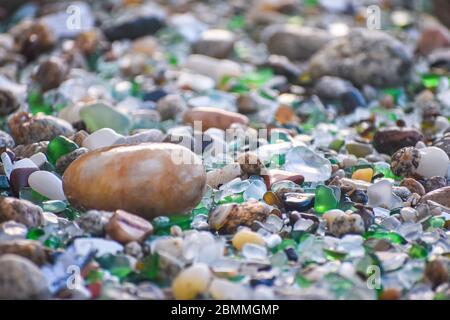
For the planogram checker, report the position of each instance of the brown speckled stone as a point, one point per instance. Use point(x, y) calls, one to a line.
point(250, 164)
point(20, 279)
point(413, 185)
point(27, 150)
point(227, 218)
point(19, 210)
point(30, 249)
point(405, 161)
point(94, 222)
point(147, 179)
point(63, 162)
point(6, 141)
point(441, 196)
point(27, 129)
point(434, 183)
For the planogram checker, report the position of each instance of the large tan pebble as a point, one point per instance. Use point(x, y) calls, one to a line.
point(146, 179)
point(213, 118)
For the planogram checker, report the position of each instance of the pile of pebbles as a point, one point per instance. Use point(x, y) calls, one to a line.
point(224, 150)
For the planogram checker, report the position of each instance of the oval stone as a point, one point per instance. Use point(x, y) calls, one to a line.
point(213, 118)
point(147, 179)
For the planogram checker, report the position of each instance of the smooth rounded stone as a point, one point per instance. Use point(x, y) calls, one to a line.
point(380, 194)
point(405, 161)
point(434, 183)
point(28, 150)
point(213, 68)
point(29, 249)
point(408, 214)
point(147, 179)
point(8, 102)
point(352, 99)
point(148, 135)
point(134, 249)
point(437, 271)
point(79, 137)
point(217, 43)
point(250, 164)
point(413, 185)
point(433, 37)
point(101, 138)
point(125, 227)
point(47, 184)
point(364, 57)
point(218, 177)
point(246, 104)
point(133, 24)
point(21, 279)
point(444, 143)
point(71, 113)
point(94, 222)
point(21, 211)
point(433, 162)
point(39, 159)
point(329, 87)
point(228, 217)
point(246, 236)
point(99, 115)
point(191, 282)
point(195, 81)
point(170, 106)
point(27, 129)
point(282, 66)
point(440, 196)
point(6, 141)
point(50, 73)
point(11, 230)
point(295, 42)
point(359, 149)
point(63, 162)
point(390, 140)
point(209, 117)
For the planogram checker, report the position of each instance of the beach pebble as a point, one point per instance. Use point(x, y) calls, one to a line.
point(101, 138)
point(146, 179)
point(217, 43)
point(364, 57)
point(246, 236)
point(209, 117)
point(226, 218)
point(125, 227)
point(27, 129)
point(94, 222)
point(390, 140)
point(191, 282)
point(21, 211)
point(295, 42)
point(6, 141)
point(21, 279)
